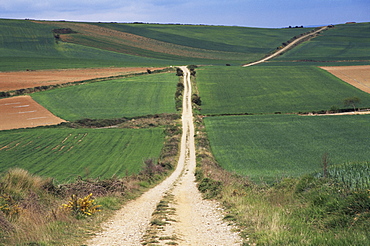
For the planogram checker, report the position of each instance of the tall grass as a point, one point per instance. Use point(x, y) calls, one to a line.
point(354, 175)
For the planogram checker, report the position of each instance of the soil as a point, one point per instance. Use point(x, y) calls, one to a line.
point(194, 221)
point(29, 79)
point(22, 112)
point(358, 76)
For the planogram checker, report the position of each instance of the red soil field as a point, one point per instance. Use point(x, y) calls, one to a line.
point(22, 112)
point(358, 76)
point(28, 79)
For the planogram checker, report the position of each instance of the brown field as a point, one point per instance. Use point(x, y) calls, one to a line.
point(358, 76)
point(29, 79)
point(22, 112)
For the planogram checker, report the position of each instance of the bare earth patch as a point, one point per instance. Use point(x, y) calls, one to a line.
point(358, 76)
point(22, 112)
point(29, 79)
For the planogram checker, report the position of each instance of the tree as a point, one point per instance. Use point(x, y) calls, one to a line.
point(351, 101)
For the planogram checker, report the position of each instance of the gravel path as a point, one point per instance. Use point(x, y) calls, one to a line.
point(194, 222)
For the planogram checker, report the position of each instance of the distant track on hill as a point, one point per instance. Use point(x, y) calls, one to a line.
point(289, 46)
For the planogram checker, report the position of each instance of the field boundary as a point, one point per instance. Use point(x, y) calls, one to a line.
point(25, 91)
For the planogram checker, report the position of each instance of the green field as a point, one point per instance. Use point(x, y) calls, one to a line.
point(65, 154)
point(342, 43)
point(128, 97)
point(249, 43)
point(272, 146)
point(259, 89)
point(28, 45)
point(31, 45)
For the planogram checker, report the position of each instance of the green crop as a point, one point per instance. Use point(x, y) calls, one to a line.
point(342, 43)
point(273, 146)
point(260, 89)
point(129, 97)
point(65, 154)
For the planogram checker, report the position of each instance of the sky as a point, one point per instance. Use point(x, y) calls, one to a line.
point(250, 13)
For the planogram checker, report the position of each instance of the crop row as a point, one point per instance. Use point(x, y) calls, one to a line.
point(272, 146)
point(256, 89)
point(135, 96)
point(65, 154)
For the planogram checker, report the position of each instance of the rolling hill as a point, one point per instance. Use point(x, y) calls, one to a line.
point(27, 44)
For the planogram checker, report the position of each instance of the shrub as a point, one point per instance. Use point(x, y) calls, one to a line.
point(82, 206)
point(210, 188)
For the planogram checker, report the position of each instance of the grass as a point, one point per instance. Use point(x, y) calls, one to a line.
point(342, 43)
point(260, 89)
point(65, 154)
point(302, 211)
point(135, 96)
point(271, 146)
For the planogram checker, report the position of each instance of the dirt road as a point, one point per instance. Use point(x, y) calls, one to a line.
point(285, 48)
point(194, 221)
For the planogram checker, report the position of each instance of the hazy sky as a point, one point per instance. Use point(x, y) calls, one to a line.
point(253, 13)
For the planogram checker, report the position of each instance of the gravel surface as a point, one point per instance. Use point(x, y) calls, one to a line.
point(195, 221)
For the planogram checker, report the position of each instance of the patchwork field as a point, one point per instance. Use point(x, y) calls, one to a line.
point(259, 89)
point(65, 154)
point(358, 76)
point(28, 79)
point(22, 112)
point(270, 146)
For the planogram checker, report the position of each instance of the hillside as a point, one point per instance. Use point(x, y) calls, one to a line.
point(33, 45)
point(347, 42)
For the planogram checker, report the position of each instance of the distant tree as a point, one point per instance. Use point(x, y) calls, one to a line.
point(148, 71)
point(352, 101)
point(196, 99)
point(179, 72)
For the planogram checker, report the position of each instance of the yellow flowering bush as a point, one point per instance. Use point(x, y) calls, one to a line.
point(8, 206)
point(82, 206)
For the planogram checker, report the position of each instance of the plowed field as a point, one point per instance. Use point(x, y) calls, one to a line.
point(28, 79)
point(358, 76)
point(22, 112)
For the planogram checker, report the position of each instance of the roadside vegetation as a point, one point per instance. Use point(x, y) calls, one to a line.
point(329, 205)
point(69, 206)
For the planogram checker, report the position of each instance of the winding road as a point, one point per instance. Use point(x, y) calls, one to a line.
point(195, 221)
